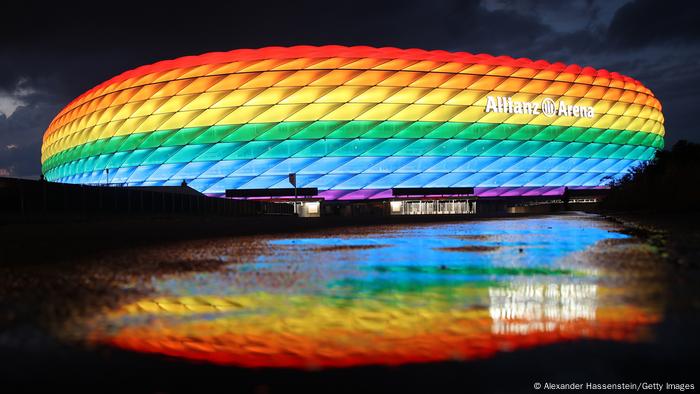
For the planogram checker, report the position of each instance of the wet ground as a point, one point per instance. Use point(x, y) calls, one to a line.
point(489, 305)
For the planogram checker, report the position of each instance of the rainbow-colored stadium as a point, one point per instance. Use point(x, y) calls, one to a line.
point(355, 122)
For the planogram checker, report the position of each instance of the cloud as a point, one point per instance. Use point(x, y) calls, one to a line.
point(10, 101)
point(645, 22)
point(561, 16)
point(21, 134)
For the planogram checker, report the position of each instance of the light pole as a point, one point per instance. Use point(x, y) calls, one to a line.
point(293, 181)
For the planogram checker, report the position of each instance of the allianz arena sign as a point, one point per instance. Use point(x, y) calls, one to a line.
point(546, 107)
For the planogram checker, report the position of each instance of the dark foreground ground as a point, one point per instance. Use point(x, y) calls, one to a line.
point(42, 285)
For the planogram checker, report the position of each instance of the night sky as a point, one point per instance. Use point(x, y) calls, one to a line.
point(51, 53)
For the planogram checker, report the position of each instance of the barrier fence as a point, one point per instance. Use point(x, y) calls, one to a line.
point(29, 196)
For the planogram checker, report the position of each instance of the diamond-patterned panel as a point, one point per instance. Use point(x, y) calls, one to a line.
point(353, 122)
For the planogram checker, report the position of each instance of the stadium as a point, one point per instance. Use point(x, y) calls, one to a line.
point(356, 123)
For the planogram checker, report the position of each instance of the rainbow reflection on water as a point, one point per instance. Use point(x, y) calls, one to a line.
point(388, 295)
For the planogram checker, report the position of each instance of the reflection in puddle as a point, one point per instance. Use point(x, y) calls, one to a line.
point(471, 248)
point(389, 295)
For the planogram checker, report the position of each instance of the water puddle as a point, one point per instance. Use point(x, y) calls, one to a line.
point(393, 295)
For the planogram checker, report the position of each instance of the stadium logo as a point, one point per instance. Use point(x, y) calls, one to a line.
point(547, 107)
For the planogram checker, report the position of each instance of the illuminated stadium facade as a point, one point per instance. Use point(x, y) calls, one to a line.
point(355, 123)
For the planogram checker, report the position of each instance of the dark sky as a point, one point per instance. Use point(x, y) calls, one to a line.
point(49, 54)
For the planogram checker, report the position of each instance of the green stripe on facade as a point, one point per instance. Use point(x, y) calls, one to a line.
point(212, 142)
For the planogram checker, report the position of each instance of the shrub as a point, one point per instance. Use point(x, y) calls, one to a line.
point(669, 182)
